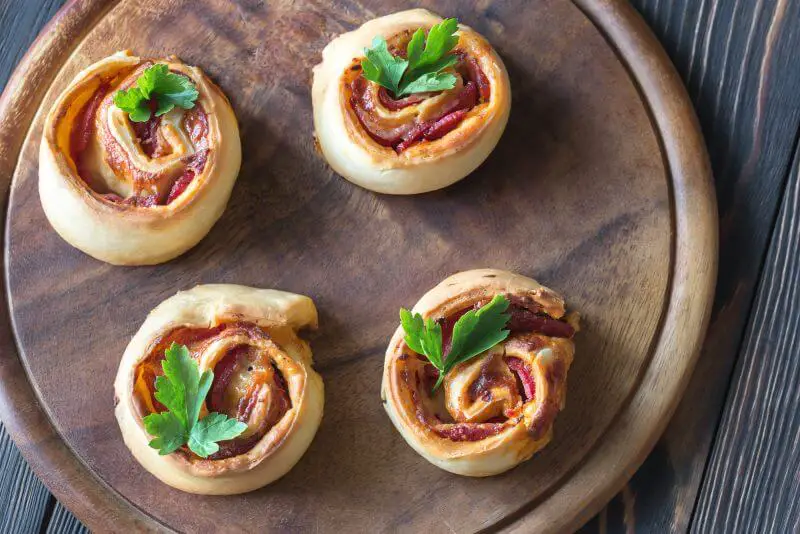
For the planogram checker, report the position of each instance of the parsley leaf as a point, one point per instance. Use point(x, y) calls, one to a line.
point(156, 82)
point(427, 57)
point(381, 67)
point(415, 46)
point(474, 333)
point(431, 82)
point(134, 103)
point(182, 390)
point(169, 431)
point(213, 428)
point(433, 58)
point(423, 337)
point(477, 331)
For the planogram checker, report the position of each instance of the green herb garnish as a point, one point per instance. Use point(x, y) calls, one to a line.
point(423, 71)
point(475, 332)
point(156, 82)
point(182, 390)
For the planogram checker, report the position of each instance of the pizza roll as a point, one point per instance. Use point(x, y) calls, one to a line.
point(136, 193)
point(262, 377)
point(420, 142)
point(497, 409)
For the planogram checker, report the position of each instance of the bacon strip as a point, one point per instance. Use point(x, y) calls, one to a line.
point(248, 403)
point(415, 134)
point(524, 320)
point(180, 185)
point(194, 166)
point(223, 372)
point(477, 75)
point(147, 134)
point(362, 104)
point(235, 447)
point(83, 128)
point(524, 374)
point(397, 104)
point(147, 380)
point(445, 125)
point(453, 431)
point(446, 121)
point(467, 99)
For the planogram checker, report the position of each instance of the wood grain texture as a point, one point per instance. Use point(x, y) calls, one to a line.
point(62, 521)
point(21, 24)
point(595, 142)
point(753, 479)
point(23, 498)
point(738, 60)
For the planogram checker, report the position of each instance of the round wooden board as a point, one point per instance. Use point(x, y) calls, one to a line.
point(599, 188)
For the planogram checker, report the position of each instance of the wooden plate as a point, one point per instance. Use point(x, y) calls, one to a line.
point(599, 188)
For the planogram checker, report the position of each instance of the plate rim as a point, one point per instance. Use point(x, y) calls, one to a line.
point(586, 488)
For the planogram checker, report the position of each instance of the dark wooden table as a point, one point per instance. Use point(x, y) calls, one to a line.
point(730, 459)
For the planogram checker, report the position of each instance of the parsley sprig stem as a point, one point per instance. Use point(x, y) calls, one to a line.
point(474, 333)
point(424, 70)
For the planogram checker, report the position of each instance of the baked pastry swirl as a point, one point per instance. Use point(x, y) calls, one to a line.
point(496, 410)
point(262, 377)
point(414, 144)
point(136, 193)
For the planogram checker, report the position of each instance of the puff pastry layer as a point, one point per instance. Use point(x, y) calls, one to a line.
point(496, 410)
point(263, 376)
point(415, 144)
point(136, 193)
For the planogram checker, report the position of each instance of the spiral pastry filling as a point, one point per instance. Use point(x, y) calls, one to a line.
point(401, 123)
point(487, 395)
point(142, 164)
point(249, 382)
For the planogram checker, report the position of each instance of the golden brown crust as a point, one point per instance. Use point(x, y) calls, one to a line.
point(424, 166)
point(117, 232)
point(229, 317)
point(484, 422)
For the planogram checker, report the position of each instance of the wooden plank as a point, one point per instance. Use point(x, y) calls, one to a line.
point(738, 61)
point(63, 522)
point(21, 21)
point(23, 499)
point(753, 479)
